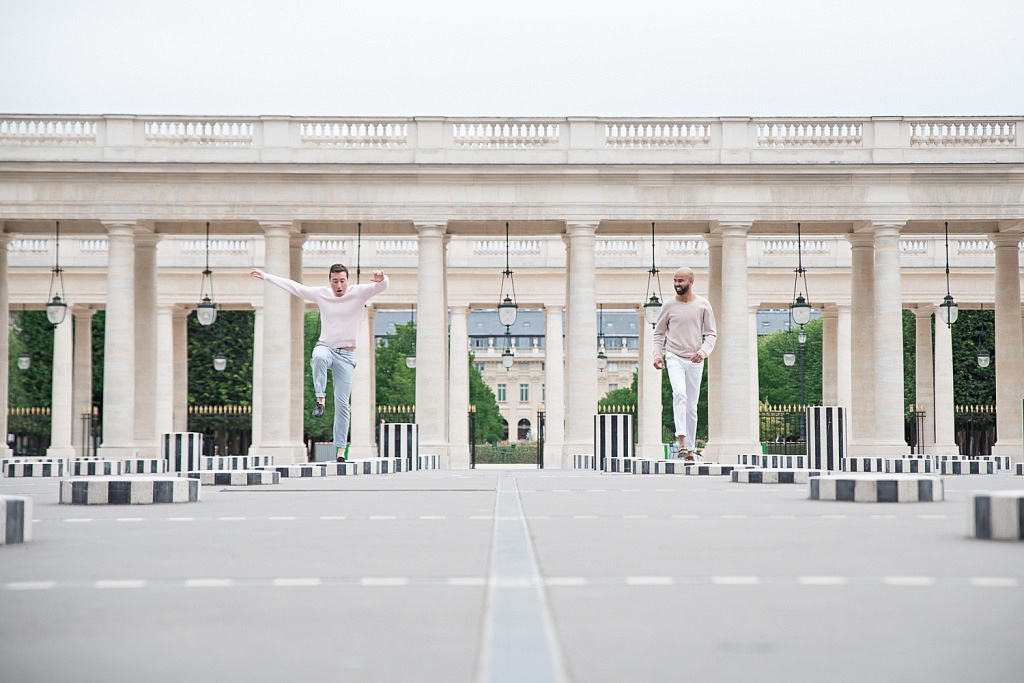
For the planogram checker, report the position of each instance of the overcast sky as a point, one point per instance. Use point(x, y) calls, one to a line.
point(521, 58)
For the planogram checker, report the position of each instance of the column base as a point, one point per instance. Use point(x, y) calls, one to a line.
point(361, 452)
point(1014, 448)
point(111, 452)
point(877, 449)
point(283, 455)
point(943, 449)
point(147, 449)
point(651, 451)
point(6, 452)
point(61, 452)
point(727, 452)
point(458, 458)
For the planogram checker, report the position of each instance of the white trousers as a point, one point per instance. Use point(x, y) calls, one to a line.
point(684, 375)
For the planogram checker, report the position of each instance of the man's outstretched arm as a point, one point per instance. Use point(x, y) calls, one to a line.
point(290, 286)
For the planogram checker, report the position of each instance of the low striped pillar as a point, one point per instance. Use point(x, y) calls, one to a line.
point(400, 440)
point(997, 515)
point(583, 461)
point(56, 468)
point(15, 519)
point(115, 491)
point(182, 451)
point(827, 428)
point(143, 466)
point(613, 437)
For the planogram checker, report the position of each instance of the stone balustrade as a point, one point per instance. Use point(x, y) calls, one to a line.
point(461, 140)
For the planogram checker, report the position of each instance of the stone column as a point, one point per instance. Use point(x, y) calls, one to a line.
point(581, 360)
point(297, 327)
point(862, 344)
point(119, 345)
point(755, 378)
point(829, 353)
point(1009, 351)
point(363, 405)
point(179, 322)
point(945, 441)
point(61, 419)
point(82, 380)
point(890, 436)
point(5, 348)
point(164, 388)
point(431, 341)
point(554, 390)
point(715, 361)
point(276, 359)
point(649, 409)
point(257, 375)
point(145, 343)
point(733, 345)
point(458, 389)
point(844, 372)
point(924, 389)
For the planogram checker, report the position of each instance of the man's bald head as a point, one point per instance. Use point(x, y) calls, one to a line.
point(682, 281)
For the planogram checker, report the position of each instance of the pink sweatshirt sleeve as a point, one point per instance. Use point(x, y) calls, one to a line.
point(292, 287)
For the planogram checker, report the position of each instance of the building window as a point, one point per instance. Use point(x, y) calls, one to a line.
point(543, 392)
point(504, 430)
point(501, 393)
point(524, 393)
point(613, 367)
point(479, 366)
point(524, 367)
point(524, 429)
point(479, 342)
point(613, 387)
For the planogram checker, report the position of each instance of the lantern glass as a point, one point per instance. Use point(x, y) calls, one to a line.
point(206, 312)
point(948, 310)
point(652, 310)
point(24, 360)
point(220, 362)
point(410, 362)
point(56, 310)
point(984, 359)
point(789, 358)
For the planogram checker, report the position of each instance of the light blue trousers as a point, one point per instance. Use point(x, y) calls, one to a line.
point(342, 364)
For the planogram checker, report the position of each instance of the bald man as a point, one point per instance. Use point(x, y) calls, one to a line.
point(684, 336)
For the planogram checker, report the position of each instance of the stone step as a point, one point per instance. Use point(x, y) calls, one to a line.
point(996, 515)
point(15, 519)
point(236, 477)
point(876, 488)
point(774, 475)
point(128, 491)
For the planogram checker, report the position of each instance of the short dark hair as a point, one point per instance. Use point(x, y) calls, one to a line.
point(338, 268)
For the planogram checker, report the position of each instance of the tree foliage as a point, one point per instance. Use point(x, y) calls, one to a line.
point(779, 383)
point(31, 332)
point(232, 335)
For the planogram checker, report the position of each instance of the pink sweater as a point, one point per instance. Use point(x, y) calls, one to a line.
point(680, 327)
point(339, 315)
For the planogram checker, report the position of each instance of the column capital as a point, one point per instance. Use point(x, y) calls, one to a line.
point(146, 238)
point(887, 227)
point(581, 228)
point(120, 228)
point(1006, 239)
point(276, 228)
point(861, 239)
point(713, 239)
point(458, 308)
point(922, 310)
point(430, 228)
point(82, 311)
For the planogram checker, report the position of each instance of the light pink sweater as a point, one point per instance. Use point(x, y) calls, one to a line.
point(680, 326)
point(339, 315)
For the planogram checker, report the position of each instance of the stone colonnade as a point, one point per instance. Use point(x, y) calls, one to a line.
point(145, 371)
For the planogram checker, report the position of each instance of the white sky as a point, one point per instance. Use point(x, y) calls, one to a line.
point(521, 58)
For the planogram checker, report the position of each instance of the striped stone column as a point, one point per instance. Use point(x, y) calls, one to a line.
point(924, 388)
point(458, 389)
point(890, 438)
point(733, 345)
point(945, 442)
point(862, 344)
point(5, 348)
point(581, 338)
point(119, 345)
point(1009, 351)
point(554, 390)
point(61, 385)
point(82, 375)
point(145, 343)
point(649, 409)
point(432, 341)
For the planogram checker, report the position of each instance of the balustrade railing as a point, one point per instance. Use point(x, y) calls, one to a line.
point(657, 134)
point(810, 133)
point(355, 134)
point(505, 134)
point(812, 247)
point(963, 133)
point(497, 247)
point(199, 133)
point(42, 130)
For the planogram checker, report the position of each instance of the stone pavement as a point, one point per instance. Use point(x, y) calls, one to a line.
point(511, 575)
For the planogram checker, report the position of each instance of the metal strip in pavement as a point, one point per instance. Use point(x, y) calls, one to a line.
point(519, 641)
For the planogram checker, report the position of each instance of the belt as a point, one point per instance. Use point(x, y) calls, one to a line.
point(345, 348)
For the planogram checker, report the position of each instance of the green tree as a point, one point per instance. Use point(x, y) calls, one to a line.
point(623, 397)
point(488, 416)
point(31, 332)
point(779, 383)
point(972, 385)
point(232, 335)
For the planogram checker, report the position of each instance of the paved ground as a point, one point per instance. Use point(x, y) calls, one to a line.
point(511, 575)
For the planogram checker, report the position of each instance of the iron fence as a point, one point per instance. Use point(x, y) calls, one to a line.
point(782, 429)
point(28, 430)
point(227, 430)
point(975, 429)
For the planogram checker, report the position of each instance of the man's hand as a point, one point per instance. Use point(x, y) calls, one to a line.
point(697, 357)
point(659, 363)
point(378, 276)
point(256, 272)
